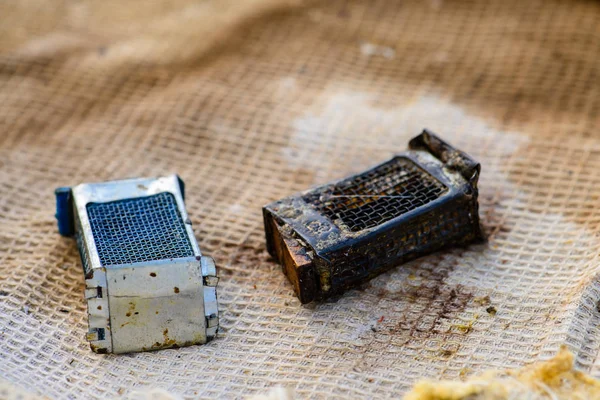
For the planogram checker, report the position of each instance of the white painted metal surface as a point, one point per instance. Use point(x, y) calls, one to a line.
point(144, 305)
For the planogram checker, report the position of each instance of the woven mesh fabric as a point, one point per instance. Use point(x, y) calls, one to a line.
point(252, 101)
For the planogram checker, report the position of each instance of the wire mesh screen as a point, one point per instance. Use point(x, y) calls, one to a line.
point(377, 196)
point(272, 100)
point(85, 259)
point(141, 229)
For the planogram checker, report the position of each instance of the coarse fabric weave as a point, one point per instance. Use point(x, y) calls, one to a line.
point(251, 101)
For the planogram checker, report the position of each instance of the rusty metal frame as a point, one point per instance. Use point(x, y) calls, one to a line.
point(322, 257)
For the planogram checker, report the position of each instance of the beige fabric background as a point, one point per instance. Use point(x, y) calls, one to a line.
point(253, 100)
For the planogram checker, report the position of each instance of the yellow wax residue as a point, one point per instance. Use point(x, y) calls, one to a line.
point(552, 379)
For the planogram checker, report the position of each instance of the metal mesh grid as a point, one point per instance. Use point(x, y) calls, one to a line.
point(296, 101)
point(85, 261)
point(83, 253)
point(426, 236)
point(142, 229)
point(377, 196)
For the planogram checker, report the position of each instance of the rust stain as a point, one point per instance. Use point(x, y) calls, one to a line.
point(131, 309)
point(440, 302)
point(446, 353)
point(430, 308)
point(244, 256)
point(176, 289)
point(167, 342)
point(97, 349)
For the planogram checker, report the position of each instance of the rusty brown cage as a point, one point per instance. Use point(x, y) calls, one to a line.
point(336, 236)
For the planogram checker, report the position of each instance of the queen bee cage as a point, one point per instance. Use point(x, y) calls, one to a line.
point(148, 286)
point(339, 235)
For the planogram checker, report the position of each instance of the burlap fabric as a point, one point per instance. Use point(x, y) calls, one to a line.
point(252, 101)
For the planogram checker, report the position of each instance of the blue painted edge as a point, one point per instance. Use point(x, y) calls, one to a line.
point(181, 186)
point(64, 211)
